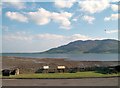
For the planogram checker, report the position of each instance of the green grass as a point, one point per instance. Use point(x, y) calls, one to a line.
point(62, 75)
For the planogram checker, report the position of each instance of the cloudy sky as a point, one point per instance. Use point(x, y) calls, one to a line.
point(39, 26)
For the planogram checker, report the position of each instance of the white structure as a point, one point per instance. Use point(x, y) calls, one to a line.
point(45, 67)
point(17, 72)
point(61, 67)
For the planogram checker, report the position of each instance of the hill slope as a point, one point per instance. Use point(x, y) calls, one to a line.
point(89, 46)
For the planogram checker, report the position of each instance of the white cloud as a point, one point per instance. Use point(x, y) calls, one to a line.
point(114, 7)
point(94, 6)
point(79, 37)
point(16, 16)
point(49, 36)
point(45, 37)
point(64, 3)
point(27, 36)
point(16, 4)
point(18, 36)
point(89, 19)
point(31, 43)
point(74, 19)
point(111, 31)
point(63, 19)
point(19, 5)
point(42, 17)
point(112, 17)
point(5, 28)
point(114, 0)
point(38, 42)
point(0, 8)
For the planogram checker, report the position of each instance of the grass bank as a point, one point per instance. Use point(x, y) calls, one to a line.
point(61, 75)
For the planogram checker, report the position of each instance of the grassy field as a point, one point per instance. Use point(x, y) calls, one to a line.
point(62, 75)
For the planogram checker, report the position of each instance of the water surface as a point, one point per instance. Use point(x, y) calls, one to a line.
point(80, 57)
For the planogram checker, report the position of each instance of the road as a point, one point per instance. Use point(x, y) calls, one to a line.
point(61, 82)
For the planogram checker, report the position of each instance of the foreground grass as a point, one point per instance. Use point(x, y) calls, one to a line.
point(62, 75)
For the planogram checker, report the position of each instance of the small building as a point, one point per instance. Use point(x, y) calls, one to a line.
point(52, 68)
point(15, 72)
point(45, 69)
point(6, 72)
point(61, 68)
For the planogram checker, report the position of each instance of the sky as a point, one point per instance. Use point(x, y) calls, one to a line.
point(40, 26)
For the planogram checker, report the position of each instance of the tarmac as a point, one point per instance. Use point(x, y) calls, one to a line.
point(62, 82)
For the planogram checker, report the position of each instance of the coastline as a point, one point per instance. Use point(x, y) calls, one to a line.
point(30, 65)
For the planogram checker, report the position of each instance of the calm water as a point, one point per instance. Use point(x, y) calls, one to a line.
point(80, 57)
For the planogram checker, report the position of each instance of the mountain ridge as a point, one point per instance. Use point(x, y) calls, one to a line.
point(87, 46)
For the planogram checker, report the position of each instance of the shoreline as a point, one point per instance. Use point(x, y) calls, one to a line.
point(67, 59)
point(73, 57)
point(31, 65)
point(29, 68)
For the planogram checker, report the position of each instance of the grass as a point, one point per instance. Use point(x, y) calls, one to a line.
point(62, 75)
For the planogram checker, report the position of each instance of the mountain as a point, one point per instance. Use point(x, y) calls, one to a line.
point(88, 46)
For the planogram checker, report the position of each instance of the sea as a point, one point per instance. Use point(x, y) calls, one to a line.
point(75, 57)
